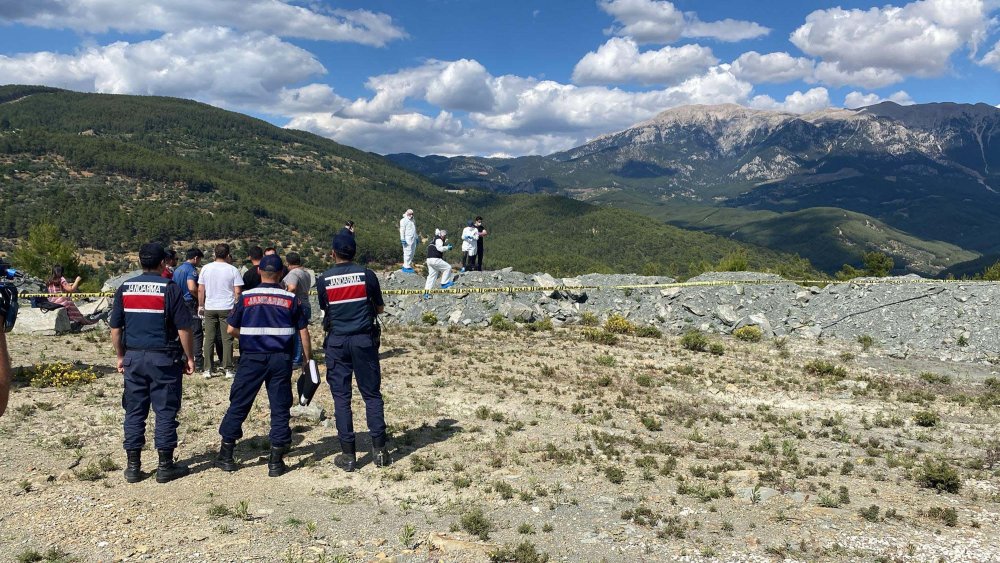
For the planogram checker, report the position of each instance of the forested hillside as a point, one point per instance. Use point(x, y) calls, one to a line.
point(113, 171)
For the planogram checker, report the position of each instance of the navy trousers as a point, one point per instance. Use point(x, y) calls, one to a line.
point(152, 379)
point(273, 371)
point(357, 354)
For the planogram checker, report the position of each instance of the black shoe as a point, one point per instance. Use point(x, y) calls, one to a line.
point(380, 453)
point(168, 470)
point(276, 462)
point(133, 468)
point(347, 459)
point(224, 460)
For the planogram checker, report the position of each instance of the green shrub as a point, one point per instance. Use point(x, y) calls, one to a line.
point(749, 333)
point(429, 318)
point(525, 552)
point(648, 332)
point(927, 419)
point(866, 341)
point(871, 513)
point(475, 523)
point(599, 336)
point(694, 340)
point(615, 474)
point(947, 515)
point(617, 324)
point(716, 349)
point(940, 476)
point(540, 325)
point(56, 374)
point(500, 322)
point(823, 367)
point(588, 319)
point(933, 378)
point(606, 360)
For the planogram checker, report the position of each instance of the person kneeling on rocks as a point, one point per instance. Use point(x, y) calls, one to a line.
point(151, 333)
point(436, 265)
point(266, 320)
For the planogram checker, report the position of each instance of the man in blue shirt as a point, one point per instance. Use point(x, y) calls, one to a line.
point(151, 333)
point(350, 297)
point(186, 278)
point(266, 320)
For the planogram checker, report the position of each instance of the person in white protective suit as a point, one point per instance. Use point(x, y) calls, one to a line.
point(470, 238)
point(436, 264)
point(408, 238)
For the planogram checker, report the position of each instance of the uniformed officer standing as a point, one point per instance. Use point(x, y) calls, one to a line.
point(265, 320)
point(150, 330)
point(350, 297)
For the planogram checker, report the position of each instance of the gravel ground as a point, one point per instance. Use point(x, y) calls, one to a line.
point(638, 451)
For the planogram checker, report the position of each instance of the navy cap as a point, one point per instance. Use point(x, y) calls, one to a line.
point(344, 245)
point(271, 263)
point(152, 251)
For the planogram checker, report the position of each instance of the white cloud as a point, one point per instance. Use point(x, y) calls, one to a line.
point(797, 102)
point(215, 65)
point(772, 67)
point(619, 61)
point(992, 59)
point(523, 116)
point(857, 99)
point(274, 17)
point(881, 46)
point(659, 21)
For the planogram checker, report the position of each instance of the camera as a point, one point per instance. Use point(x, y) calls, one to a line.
point(8, 294)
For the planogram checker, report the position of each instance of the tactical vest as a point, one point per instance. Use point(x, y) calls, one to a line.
point(433, 252)
point(146, 300)
point(348, 310)
point(267, 325)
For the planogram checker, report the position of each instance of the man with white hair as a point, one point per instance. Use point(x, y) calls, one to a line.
point(408, 238)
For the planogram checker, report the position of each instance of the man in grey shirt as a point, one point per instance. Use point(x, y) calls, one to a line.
point(299, 282)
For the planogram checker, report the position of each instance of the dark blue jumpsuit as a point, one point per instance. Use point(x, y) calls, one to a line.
point(268, 318)
point(150, 309)
point(348, 294)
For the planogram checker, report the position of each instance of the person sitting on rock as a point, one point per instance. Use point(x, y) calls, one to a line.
point(436, 265)
point(57, 284)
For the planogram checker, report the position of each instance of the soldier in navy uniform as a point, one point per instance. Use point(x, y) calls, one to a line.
point(265, 320)
point(350, 297)
point(151, 333)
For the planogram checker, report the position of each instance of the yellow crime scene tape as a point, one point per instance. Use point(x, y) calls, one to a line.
point(562, 288)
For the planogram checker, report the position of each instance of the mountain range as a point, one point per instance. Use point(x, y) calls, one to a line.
point(114, 171)
point(918, 182)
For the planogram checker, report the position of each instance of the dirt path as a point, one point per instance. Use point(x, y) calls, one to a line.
point(641, 451)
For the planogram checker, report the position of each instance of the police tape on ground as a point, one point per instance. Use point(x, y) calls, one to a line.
point(571, 288)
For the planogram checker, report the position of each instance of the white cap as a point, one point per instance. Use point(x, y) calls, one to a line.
point(408, 212)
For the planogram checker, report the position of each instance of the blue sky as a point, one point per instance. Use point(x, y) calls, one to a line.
point(510, 78)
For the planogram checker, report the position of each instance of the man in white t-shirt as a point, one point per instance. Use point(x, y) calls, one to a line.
point(219, 286)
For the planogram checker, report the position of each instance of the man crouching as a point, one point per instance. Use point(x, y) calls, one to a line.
point(265, 320)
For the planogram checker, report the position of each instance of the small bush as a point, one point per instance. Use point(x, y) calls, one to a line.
point(606, 361)
point(749, 333)
point(540, 325)
point(651, 423)
point(871, 513)
point(525, 552)
point(588, 319)
point(939, 475)
point(934, 378)
point(648, 332)
point(947, 515)
point(716, 349)
point(57, 374)
point(500, 323)
point(866, 341)
point(825, 368)
point(429, 318)
point(615, 474)
point(927, 419)
point(694, 340)
point(599, 336)
point(475, 523)
point(617, 324)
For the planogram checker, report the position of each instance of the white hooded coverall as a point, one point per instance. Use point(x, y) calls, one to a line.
point(408, 234)
point(438, 266)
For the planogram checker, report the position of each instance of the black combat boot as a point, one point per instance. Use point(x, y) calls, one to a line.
point(347, 459)
point(380, 453)
point(133, 467)
point(276, 461)
point(168, 470)
point(225, 460)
